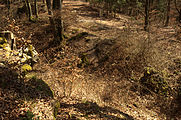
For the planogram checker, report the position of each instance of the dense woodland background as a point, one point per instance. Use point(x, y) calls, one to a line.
point(93, 59)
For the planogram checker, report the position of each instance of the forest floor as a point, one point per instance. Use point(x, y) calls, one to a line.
point(96, 75)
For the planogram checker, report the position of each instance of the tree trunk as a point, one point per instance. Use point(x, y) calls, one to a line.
point(54, 4)
point(8, 5)
point(29, 10)
point(48, 2)
point(36, 8)
point(168, 13)
point(180, 16)
point(146, 28)
point(59, 30)
point(178, 10)
point(57, 24)
point(57, 4)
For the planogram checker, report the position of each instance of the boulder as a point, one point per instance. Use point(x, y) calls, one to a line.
point(153, 80)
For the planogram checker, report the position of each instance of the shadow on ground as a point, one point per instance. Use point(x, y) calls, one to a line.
point(93, 13)
point(90, 110)
point(14, 91)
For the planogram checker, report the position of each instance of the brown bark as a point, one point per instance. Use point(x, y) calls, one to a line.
point(57, 4)
point(178, 10)
point(168, 12)
point(29, 10)
point(57, 24)
point(146, 28)
point(8, 5)
point(48, 2)
point(36, 8)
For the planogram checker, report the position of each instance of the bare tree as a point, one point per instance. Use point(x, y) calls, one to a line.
point(36, 8)
point(178, 10)
point(146, 28)
point(57, 4)
point(8, 2)
point(48, 2)
point(168, 12)
point(29, 10)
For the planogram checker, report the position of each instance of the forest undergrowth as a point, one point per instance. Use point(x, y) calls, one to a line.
point(107, 68)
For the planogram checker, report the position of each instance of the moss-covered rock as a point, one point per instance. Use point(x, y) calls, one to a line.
point(78, 36)
point(4, 44)
point(28, 54)
point(3, 40)
point(84, 61)
point(154, 81)
point(26, 68)
point(8, 37)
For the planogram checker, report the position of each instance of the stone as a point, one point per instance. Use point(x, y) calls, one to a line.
point(2, 65)
point(9, 36)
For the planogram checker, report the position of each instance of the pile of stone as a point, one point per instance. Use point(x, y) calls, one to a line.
point(10, 55)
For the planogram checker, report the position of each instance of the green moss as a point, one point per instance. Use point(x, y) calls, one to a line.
point(54, 118)
point(29, 116)
point(84, 101)
point(65, 36)
point(33, 19)
point(75, 31)
point(3, 40)
point(31, 75)
point(155, 81)
point(79, 36)
point(4, 45)
point(30, 50)
point(56, 108)
point(26, 68)
point(150, 71)
point(84, 61)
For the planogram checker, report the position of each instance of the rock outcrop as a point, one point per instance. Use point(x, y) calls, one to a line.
point(9, 36)
point(9, 55)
